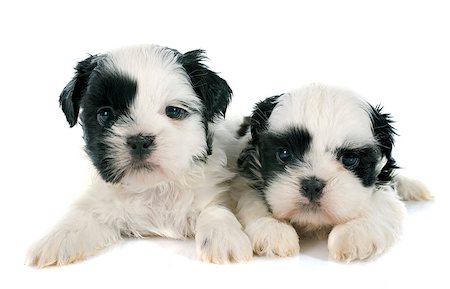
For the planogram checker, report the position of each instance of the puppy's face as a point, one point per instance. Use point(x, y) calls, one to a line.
point(145, 111)
point(317, 153)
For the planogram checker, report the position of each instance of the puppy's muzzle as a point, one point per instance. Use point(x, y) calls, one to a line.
point(312, 188)
point(140, 145)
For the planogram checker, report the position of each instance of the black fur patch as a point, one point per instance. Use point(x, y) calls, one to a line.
point(92, 88)
point(249, 162)
point(210, 88)
point(209, 138)
point(260, 116)
point(384, 133)
point(244, 127)
point(368, 159)
point(106, 89)
point(249, 166)
point(213, 91)
point(71, 95)
point(258, 162)
point(296, 141)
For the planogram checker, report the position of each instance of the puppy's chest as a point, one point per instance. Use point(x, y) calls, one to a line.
point(169, 213)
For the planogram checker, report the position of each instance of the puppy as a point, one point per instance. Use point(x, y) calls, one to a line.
point(149, 115)
point(320, 159)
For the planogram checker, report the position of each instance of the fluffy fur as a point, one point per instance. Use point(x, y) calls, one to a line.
point(319, 159)
point(149, 116)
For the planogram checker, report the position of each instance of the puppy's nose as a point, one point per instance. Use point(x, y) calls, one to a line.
point(140, 145)
point(312, 188)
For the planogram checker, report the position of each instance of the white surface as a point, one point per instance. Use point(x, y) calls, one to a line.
point(392, 52)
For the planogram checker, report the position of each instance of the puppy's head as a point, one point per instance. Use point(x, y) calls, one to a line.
point(317, 154)
point(145, 111)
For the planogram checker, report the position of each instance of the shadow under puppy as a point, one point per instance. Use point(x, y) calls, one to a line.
point(149, 116)
point(319, 158)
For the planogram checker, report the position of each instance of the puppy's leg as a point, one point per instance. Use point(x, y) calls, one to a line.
point(411, 190)
point(371, 234)
point(219, 237)
point(269, 237)
point(89, 227)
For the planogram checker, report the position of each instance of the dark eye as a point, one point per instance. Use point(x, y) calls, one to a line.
point(350, 160)
point(176, 112)
point(283, 155)
point(104, 115)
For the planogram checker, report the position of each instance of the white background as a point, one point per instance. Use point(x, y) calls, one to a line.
point(391, 52)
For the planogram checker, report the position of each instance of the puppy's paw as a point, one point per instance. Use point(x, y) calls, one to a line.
point(222, 244)
point(349, 242)
point(57, 249)
point(72, 241)
point(411, 190)
point(271, 237)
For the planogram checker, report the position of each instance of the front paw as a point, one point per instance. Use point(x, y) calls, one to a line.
point(271, 237)
point(348, 242)
point(223, 245)
point(56, 249)
point(68, 245)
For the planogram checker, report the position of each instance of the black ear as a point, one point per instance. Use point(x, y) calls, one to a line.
point(384, 133)
point(73, 92)
point(249, 166)
point(260, 116)
point(212, 90)
point(249, 163)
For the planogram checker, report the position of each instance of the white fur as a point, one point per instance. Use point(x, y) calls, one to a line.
point(371, 233)
point(180, 198)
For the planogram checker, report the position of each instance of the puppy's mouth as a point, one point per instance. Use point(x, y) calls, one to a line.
point(312, 207)
point(141, 165)
point(302, 208)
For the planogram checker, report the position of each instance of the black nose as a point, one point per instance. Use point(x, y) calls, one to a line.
point(140, 145)
point(312, 188)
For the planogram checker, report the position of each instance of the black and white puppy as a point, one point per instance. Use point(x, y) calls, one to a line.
point(319, 158)
point(149, 116)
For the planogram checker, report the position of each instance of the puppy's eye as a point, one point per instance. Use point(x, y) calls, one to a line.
point(350, 160)
point(104, 115)
point(176, 112)
point(283, 155)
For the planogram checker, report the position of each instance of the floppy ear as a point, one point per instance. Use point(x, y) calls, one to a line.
point(212, 90)
point(260, 116)
point(249, 166)
point(249, 163)
point(73, 92)
point(384, 133)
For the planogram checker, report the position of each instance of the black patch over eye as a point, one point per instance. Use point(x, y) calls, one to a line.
point(105, 115)
point(361, 161)
point(176, 112)
point(350, 160)
point(283, 155)
point(279, 150)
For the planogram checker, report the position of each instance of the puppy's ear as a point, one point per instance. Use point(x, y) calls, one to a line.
point(249, 166)
point(249, 163)
point(73, 92)
point(384, 133)
point(260, 116)
point(212, 90)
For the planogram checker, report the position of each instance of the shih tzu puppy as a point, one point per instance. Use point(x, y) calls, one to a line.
point(151, 118)
point(320, 159)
